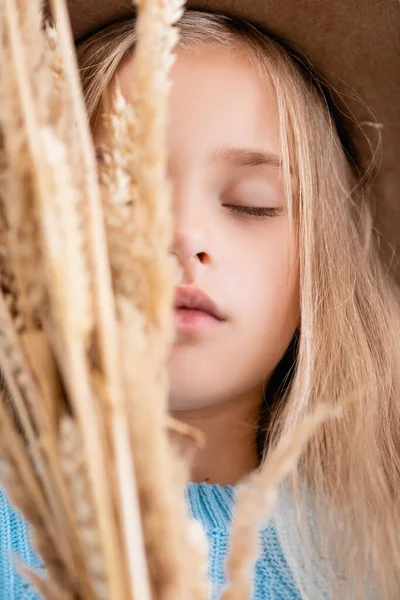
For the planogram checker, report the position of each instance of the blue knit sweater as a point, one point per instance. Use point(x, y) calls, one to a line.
point(210, 504)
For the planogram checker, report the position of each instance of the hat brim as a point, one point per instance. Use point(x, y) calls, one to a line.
point(353, 45)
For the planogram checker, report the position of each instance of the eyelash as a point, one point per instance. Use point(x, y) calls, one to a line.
point(257, 212)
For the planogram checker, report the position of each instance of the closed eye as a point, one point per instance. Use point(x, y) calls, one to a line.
point(254, 211)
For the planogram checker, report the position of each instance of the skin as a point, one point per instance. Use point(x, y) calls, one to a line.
point(246, 264)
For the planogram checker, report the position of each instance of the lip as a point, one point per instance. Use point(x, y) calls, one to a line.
point(195, 310)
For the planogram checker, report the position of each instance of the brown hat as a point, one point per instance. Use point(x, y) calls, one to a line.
point(354, 45)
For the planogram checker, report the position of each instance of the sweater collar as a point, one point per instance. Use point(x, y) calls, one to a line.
point(211, 504)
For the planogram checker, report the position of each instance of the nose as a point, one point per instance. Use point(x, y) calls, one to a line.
point(189, 248)
point(190, 245)
point(192, 218)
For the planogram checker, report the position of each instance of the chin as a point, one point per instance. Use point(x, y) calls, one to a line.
point(189, 395)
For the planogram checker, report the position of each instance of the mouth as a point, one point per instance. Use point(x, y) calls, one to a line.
point(195, 310)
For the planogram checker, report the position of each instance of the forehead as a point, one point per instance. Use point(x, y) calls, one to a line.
point(217, 98)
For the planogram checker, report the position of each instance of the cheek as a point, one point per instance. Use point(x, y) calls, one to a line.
point(267, 307)
point(271, 288)
point(266, 263)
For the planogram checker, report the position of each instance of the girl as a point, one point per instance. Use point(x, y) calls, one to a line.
point(290, 304)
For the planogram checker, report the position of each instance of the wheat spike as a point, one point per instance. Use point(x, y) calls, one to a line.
point(256, 499)
point(74, 469)
point(120, 197)
point(19, 224)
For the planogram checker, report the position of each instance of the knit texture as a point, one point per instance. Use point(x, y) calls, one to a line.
point(210, 504)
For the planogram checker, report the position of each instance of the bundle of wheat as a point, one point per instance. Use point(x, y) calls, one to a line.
point(88, 450)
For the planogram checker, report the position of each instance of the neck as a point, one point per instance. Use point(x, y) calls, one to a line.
point(230, 429)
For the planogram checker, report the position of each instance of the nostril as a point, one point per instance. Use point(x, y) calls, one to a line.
point(202, 256)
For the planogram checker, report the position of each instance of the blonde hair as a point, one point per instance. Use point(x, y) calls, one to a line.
point(348, 351)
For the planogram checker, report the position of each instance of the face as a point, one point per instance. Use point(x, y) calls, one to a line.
point(231, 234)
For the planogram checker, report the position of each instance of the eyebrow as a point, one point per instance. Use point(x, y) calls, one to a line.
point(247, 157)
point(239, 157)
